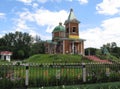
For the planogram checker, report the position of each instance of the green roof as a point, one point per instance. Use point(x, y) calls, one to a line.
point(71, 17)
point(59, 28)
point(51, 42)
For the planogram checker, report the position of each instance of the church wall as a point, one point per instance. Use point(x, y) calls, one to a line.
point(56, 34)
point(59, 34)
point(83, 48)
point(71, 28)
point(67, 46)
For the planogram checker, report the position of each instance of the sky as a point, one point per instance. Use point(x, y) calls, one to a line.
point(100, 19)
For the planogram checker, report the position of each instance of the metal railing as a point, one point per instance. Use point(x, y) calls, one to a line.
point(38, 75)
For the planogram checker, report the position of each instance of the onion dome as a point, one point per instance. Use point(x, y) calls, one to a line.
point(59, 28)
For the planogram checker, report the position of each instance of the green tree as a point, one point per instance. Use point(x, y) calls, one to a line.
point(38, 48)
point(111, 50)
point(19, 43)
point(116, 52)
point(113, 45)
point(2, 44)
point(90, 51)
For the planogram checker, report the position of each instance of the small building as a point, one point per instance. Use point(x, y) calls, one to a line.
point(65, 39)
point(6, 55)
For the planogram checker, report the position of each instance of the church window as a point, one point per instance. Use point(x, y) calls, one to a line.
point(74, 29)
point(67, 30)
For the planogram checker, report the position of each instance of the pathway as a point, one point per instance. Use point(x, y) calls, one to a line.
point(94, 58)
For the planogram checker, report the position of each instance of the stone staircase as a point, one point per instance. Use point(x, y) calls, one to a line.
point(94, 58)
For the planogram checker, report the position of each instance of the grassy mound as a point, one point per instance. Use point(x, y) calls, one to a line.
point(56, 58)
point(109, 57)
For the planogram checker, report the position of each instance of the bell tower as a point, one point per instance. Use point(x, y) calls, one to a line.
point(72, 26)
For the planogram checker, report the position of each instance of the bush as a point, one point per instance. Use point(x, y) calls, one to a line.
point(114, 77)
point(6, 84)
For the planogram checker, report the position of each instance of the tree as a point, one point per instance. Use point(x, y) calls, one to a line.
point(2, 44)
point(37, 39)
point(37, 48)
point(90, 51)
point(19, 43)
point(116, 52)
point(104, 50)
point(113, 45)
point(111, 49)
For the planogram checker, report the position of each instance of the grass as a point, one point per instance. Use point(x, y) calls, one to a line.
point(111, 85)
point(57, 58)
point(4, 62)
point(109, 57)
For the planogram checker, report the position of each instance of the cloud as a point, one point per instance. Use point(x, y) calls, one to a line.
point(69, 0)
point(35, 5)
point(55, 0)
point(2, 15)
point(32, 2)
point(42, 18)
point(50, 19)
point(80, 1)
point(83, 1)
point(107, 32)
point(21, 26)
point(109, 7)
point(28, 2)
point(21, 22)
point(42, 1)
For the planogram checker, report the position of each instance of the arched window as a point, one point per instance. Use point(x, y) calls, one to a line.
point(74, 29)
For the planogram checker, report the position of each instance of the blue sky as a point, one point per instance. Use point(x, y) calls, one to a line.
point(100, 19)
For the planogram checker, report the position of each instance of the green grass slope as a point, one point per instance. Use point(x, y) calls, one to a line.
point(56, 58)
point(4, 62)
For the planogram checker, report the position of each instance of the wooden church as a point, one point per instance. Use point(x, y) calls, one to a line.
point(65, 39)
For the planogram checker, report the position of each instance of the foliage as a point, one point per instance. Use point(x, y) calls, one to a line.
point(90, 51)
point(38, 48)
point(19, 43)
point(116, 52)
point(113, 49)
point(4, 62)
point(6, 84)
point(108, 51)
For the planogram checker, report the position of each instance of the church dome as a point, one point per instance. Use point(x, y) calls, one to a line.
point(59, 28)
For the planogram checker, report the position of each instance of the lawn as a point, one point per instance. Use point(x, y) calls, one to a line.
point(56, 58)
point(111, 85)
point(4, 62)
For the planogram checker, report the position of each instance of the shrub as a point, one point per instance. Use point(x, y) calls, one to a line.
point(6, 84)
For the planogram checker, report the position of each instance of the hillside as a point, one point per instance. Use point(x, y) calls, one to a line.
point(60, 58)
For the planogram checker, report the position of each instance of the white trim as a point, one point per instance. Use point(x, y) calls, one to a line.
point(73, 47)
point(63, 46)
point(69, 29)
point(81, 48)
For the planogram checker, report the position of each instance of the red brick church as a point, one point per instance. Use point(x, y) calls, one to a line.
point(65, 40)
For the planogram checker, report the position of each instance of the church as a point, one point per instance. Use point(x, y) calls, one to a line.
point(65, 39)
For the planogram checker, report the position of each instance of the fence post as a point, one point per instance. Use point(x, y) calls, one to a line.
point(27, 76)
point(84, 72)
